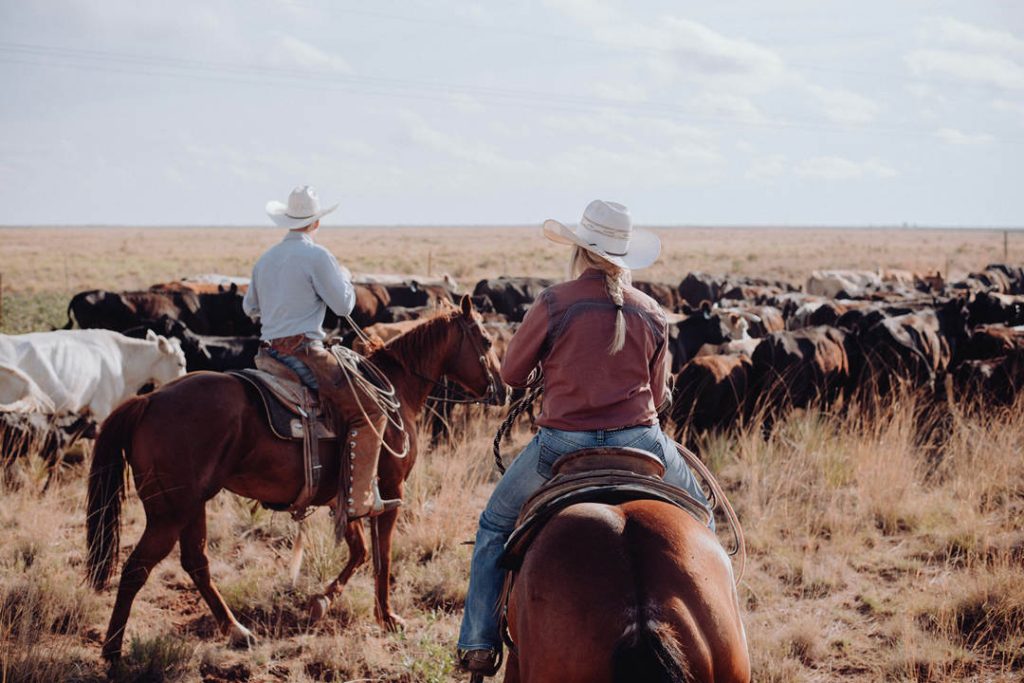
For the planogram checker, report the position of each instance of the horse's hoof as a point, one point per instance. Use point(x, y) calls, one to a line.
point(393, 623)
point(318, 607)
point(240, 637)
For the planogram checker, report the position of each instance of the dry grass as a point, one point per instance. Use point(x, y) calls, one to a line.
point(866, 564)
point(871, 557)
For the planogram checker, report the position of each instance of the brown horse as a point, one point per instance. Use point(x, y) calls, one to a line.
point(203, 433)
point(638, 592)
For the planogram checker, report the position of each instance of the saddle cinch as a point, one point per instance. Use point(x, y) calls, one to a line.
point(596, 475)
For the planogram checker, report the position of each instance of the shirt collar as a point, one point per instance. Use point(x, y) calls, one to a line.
point(591, 274)
point(304, 236)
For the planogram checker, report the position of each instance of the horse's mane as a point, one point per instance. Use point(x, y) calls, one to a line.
point(410, 348)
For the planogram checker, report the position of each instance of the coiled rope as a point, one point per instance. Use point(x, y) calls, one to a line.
point(534, 387)
point(366, 378)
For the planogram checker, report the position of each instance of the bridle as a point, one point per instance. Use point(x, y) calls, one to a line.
point(493, 382)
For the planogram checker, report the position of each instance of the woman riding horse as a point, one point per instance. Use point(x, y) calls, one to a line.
point(602, 346)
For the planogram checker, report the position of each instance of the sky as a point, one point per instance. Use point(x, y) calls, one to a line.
point(438, 112)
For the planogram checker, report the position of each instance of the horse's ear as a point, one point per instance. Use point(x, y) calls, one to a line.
point(466, 305)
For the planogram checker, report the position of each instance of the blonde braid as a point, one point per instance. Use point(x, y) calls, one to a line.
point(614, 279)
point(613, 283)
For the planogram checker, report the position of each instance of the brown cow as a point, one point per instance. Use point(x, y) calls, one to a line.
point(665, 294)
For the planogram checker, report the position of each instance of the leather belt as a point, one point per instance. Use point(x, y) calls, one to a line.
point(286, 345)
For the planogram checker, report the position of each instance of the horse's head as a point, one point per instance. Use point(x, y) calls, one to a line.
point(473, 362)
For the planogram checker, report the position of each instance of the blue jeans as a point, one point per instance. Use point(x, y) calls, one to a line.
point(296, 365)
point(525, 475)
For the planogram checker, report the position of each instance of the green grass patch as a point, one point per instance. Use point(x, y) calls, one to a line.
point(33, 312)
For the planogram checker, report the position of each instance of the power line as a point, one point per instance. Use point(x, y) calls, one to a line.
point(625, 46)
point(256, 74)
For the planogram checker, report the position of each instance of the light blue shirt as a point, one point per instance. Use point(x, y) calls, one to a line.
point(292, 285)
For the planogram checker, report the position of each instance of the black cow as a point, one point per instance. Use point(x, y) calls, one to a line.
point(511, 296)
point(708, 395)
point(700, 326)
point(218, 313)
point(992, 307)
point(49, 437)
point(413, 294)
point(994, 381)
point(791, 369)
point(203, 352)
point(914, 349)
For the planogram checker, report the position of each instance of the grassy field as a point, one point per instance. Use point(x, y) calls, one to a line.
point(872, 558)
point(42, 268)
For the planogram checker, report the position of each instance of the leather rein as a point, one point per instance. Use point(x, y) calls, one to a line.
point(492, 381)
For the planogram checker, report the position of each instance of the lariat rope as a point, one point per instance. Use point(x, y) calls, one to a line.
point(716, 498)
point(534, 388)
point(381, 392)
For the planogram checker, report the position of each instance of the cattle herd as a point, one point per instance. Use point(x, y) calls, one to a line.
point(743, 350)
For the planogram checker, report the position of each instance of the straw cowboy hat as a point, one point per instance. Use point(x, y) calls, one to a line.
point(302, 209)
point(606, 229)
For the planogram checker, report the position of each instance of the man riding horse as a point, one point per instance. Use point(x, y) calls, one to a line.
point(292, 285)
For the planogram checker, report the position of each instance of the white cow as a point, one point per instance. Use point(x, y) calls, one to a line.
point(91, 370)
point(20, 394)
point(830, 283)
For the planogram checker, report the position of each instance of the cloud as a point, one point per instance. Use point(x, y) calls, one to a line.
point(291, 51)
point(728, 72)
point(466, 103)
point(611, 128)
point(971, 67)
point(955, 32)
point(839, 168)
point(674, 47)
point(480, 155)
point(844, 106)
point(957, 137)
point(727, 105)
point(1008, 107)
point(966, 52)
point(766, 168)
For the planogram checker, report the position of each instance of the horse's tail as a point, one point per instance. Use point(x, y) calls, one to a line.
point(107, 489)
point(650, 652)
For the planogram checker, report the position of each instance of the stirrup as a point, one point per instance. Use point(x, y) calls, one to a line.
point(382, 505)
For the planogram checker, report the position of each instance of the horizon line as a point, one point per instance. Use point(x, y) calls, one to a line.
point(521, 226)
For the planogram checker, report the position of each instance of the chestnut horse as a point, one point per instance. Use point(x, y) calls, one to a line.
point(638, 592)
point(203, 433)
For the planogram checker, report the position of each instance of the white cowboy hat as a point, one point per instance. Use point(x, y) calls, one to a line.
point(606, 229)
point(302, 209)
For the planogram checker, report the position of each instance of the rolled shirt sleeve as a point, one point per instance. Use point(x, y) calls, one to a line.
point(333, 284)
point(250, 302)
point(524, 350)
